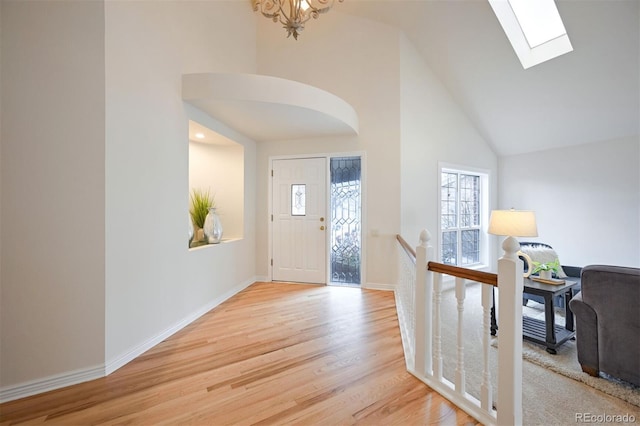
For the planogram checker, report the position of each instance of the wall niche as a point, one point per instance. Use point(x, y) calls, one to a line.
point(216, 164)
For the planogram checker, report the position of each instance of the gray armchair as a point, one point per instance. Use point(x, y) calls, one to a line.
point(607, 311)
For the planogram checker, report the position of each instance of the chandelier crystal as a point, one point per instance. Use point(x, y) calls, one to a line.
point(292, 14)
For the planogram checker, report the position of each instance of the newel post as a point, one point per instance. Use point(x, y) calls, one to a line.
point(423, 305)
point(510, 270)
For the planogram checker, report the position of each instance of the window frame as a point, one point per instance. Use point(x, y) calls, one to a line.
point(484, 255)
point(530, 56)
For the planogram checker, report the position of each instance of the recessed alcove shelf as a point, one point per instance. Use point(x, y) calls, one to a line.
point(216, 164)
point(197, 246)
point(267, 108)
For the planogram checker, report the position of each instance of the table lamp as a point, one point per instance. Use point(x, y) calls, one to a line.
point(512, 223)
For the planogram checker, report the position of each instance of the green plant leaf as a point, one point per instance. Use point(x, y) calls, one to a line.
point(548, 266)
point(201, 202)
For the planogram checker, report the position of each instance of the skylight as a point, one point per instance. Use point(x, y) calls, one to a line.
point(539, 20)
point(534, 28)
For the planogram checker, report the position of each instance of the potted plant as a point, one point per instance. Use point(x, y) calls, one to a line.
point(201, 202)
point(546, 270)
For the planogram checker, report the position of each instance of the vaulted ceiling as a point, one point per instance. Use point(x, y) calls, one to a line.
point(589, 95)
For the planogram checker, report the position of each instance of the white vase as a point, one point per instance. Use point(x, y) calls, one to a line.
point(212, 227)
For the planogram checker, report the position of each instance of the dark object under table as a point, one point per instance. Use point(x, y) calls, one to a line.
point(546, 332)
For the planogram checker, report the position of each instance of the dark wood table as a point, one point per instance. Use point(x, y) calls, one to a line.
point(546, 332)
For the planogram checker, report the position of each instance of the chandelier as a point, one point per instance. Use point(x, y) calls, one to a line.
point(292, 14)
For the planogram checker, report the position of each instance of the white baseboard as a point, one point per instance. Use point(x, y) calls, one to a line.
point(263, 279)
point(379, 286)
point(58, 381)
point(133, 353)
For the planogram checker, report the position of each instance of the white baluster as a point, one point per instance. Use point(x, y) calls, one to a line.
point(460, 295)
point(486, 391)
point(437, 339)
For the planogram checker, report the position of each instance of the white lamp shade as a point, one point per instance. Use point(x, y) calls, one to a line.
point(513, 223)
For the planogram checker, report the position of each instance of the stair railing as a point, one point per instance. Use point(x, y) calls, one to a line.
point(418, 299)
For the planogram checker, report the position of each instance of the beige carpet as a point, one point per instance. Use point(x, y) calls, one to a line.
point(565, 362)
point(555, 391)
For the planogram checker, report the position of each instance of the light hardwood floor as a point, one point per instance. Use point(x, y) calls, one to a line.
point(273, 354)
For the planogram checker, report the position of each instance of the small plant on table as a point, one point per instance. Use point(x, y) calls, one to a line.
point(546, 269)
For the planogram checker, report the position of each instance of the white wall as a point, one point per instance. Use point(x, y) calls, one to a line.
point(434, 129)
point(586, 199)
point(94, 172)
point(357, 60)
point(53, 189)
point(154, 283)
point(1, 244)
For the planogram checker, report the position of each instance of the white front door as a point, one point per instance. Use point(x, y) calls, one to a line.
point(299, 225)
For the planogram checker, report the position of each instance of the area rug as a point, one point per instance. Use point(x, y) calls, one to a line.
point(565, 362)
point(555, 390)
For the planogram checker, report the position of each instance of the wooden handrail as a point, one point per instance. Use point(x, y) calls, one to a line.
point(407, 248)
point(470, 274)
point(456, 271)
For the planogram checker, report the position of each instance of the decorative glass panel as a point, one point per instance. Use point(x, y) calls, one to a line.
point(449, 197)
point(460, 217)
point(345, 220)
point(470, 246)
point(298, 202)
point(449, 247)
point(469, 201)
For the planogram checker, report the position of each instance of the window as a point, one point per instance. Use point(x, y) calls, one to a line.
point(539, 20)
point(346, 219)
point(534, 28)
point(298, 201)
point(462, 216)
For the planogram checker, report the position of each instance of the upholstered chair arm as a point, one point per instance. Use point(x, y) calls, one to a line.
point(586, 335)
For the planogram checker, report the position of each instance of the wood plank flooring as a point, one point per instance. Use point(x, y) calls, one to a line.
point(273, 354)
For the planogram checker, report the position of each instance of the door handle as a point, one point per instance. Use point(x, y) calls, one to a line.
point(322, 228)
